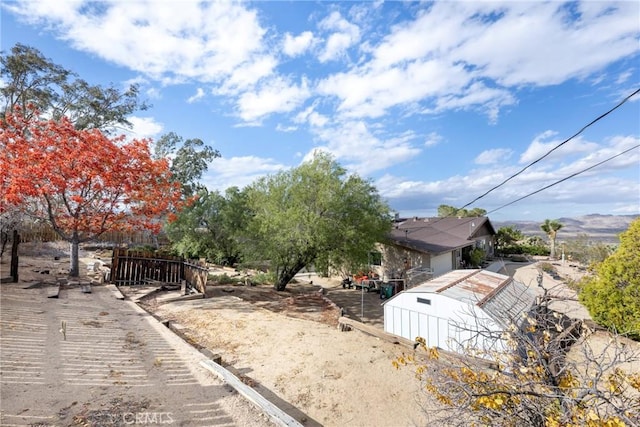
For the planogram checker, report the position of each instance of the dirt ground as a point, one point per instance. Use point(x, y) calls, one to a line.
point(287, 346)
point(89, 359)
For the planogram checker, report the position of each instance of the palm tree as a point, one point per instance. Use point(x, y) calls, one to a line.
point(551, 227)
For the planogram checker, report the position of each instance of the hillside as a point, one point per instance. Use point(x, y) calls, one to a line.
point(598, 227)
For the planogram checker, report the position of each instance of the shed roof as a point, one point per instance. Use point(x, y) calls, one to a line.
point(500, 296)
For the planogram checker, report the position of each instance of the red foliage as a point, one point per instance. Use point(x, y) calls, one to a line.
point(80, 181)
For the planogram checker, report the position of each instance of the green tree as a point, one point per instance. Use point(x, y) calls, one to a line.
point(31, 79)
point(612, 295)
point(507, 236)
point(551, 228)
point(583, 250)
point(315, 212)
point(445, 211)
point(475, 212)
point(210, 225)
point(190, 160)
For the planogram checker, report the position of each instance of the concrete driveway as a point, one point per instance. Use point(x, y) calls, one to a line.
point(365, 307)
point(117, 366)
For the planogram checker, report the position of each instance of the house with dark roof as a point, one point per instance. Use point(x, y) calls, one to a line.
point(434, 245)
point(459, 309)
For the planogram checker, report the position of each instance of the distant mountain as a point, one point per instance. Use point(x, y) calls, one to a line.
point(598, 227)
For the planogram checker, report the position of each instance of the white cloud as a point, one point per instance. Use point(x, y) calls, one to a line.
point(583, 194)
point(368, 92)
point(624, 76)
point(282, 128)
point(586, 192)
point(520, 47)
point(206, 41)
point(144, 127)
point(595, 153)
point(450, 56)
point(294, 46)
point(344, 35)
point(309, 115)
point(153, 93)
point(493, 156)
point(198, 95)
point(246, 76)
point(354, 144)
point(463, 55)
point(238, 171)
point(477, 95)
point(433, 139)
point(546, 141)
point(276, 95)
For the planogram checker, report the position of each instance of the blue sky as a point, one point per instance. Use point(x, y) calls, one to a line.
point(434, 102)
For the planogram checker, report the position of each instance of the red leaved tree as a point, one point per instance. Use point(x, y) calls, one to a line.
point(80, 181)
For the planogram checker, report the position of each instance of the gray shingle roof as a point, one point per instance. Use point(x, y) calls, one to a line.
point(437, 235)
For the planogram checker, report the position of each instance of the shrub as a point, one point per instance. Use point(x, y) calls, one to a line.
point(547, 268)
point(268, 278)
point(476, 256)
point(525, 250)
point(612, 295)
point(223, 279)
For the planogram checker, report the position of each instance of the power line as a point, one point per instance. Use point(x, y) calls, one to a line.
point(600, 117)
point(565, 179)
point(592, 122)
point(573, 175)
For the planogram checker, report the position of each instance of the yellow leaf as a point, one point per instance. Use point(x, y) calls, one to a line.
point(592, 416)
point(551, 422)
point(433, 353)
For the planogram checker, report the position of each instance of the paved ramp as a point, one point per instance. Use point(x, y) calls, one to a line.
point(117, 366)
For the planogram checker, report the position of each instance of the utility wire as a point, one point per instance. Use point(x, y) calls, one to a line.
point(554, 148)
point(573, 175)
point(564, 179)
point(600, 117)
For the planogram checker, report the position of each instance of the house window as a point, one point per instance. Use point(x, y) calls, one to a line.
point(424, 301)
point(375, 258)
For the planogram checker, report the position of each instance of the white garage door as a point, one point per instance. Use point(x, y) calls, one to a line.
point(442, 264)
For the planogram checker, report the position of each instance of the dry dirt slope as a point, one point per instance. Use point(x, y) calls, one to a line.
point(335, 378)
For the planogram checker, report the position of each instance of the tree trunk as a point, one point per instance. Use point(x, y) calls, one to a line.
point(285, 276)
point(5, 238)
point(14, 256)
point(74, 268)
point(552, 241)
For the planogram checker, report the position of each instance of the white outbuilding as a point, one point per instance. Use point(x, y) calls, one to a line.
point(460, 309)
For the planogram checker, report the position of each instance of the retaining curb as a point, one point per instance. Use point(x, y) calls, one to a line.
point(276, 414)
